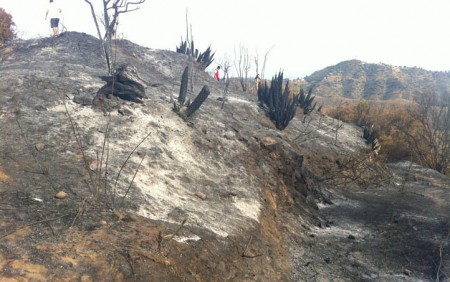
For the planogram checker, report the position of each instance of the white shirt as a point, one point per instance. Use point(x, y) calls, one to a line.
point(53, 11)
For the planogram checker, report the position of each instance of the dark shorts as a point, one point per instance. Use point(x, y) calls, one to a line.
point(54, 22)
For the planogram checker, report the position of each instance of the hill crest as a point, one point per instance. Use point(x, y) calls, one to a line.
point(356, 79)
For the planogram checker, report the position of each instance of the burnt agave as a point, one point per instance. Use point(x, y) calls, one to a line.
point(184, 86)
point(305, 101)
point(198, 101)
point(279, 105)
point(204, 58)
point(184, 108)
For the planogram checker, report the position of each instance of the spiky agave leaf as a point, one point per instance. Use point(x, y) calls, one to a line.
point(198, 101)
point(184, 86)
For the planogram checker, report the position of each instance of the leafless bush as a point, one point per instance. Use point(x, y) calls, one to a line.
point(361, 171)
point(112, 9)
point(99, 180)
point(226, 65)
point(426, 131)
point(242, 64)
point(307, 130)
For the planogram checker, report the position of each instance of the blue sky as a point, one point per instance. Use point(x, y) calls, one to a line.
point(307, 35)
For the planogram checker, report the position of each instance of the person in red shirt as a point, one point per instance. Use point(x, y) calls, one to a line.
point(216, 74)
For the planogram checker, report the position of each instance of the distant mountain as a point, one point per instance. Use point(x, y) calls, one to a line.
point(358, 80)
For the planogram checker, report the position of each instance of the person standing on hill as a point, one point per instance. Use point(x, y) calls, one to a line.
point(257, 79)
point(216, 74)
point(53, 12)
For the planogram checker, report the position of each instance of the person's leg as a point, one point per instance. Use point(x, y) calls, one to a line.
point(54, 25)
point(57, 27)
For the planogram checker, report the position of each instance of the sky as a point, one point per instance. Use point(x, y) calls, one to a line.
point(303, 36)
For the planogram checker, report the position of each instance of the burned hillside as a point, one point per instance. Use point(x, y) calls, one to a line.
point(135, 191)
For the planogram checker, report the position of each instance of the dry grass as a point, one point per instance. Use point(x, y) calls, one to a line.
point(390, 120)
point(3, 176)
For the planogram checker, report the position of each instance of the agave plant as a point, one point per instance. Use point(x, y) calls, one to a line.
point(198, 101)
point(305, 101)
point(204, 58)
point(184, 108)
point(279, 105)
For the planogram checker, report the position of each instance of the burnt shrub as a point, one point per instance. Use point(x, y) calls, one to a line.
point(6, 27)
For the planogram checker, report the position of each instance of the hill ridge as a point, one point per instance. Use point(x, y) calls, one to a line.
point(356, 79)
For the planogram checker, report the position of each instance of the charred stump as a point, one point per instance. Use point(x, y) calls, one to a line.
point(125, 84)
